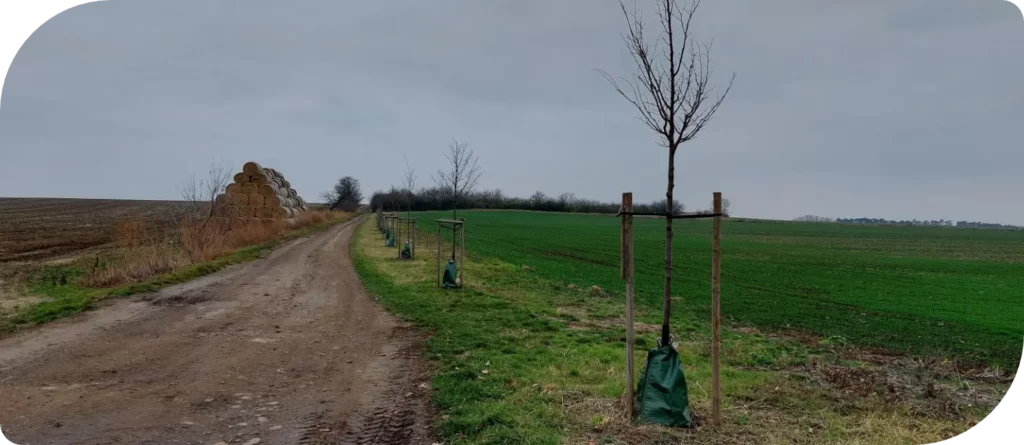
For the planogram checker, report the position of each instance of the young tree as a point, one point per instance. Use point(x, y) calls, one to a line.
point(346, 194)
point(458, 182)
point(671, 89)
point(409, 181)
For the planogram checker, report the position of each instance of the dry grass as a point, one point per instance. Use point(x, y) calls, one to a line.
point(141, 252)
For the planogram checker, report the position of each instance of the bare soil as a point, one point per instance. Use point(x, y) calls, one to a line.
point(41, 229)
point(286, 350)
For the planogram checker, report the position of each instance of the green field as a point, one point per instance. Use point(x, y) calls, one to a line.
point(957, 293)
point(520, 356)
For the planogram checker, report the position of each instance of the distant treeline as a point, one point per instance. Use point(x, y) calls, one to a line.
point(435, 199)
point(912, 222)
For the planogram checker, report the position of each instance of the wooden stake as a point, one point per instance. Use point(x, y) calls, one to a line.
point(413, 252)
point(462, 249)
point(438, 255)
point(716, 312)
point(627, 274)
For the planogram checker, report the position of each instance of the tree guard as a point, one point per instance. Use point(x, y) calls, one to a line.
point(451, 277)
point(407, 226)
point(390, 227)
point(661, 395)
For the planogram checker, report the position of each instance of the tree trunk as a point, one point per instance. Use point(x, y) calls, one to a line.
point(455, 209)
point(666, 304)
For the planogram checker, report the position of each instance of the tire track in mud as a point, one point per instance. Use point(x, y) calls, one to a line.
point(288, 349)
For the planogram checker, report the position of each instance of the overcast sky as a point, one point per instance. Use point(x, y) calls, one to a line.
point(882, 108)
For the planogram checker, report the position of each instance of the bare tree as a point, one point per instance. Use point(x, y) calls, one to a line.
point(199, 230)
point(461, 179)
point(409, 181)
point(393, 200)
point(200, 195)
point(459, 182)
point(672, 91)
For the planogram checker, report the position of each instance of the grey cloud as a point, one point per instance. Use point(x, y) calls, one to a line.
point(890, 109)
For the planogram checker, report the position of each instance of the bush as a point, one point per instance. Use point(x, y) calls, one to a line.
point(434, 199)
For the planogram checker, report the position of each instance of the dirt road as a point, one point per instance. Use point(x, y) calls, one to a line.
point(286, 350)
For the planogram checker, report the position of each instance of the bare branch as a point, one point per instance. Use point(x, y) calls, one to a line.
point(671, 87)
point(672, 92)
point(200, 195)
point(409, 181)
point(462, 178)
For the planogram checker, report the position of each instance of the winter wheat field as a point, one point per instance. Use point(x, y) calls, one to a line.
point(832, 333)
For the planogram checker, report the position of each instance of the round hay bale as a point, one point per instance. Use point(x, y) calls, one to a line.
point(265, 213)
point(258, 179)
point(241, 178)
point(254, 222)
point(286, 184)
point(273, 201)
point(233, 188)
point(292, 193)
point(290, 222)
point(269, 223)
point(279, 212)
point(266, 190)
point(240, 200)
point(249, 212)
point(231, 211)
point(252, 169)
point(250, 189)
point(221, 200)
point(271, 173)
point(256, 200)
point(238, 223)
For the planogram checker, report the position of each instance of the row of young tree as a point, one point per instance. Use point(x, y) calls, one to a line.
point(673, 94)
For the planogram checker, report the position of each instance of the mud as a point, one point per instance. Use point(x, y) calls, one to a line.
point(288, 350)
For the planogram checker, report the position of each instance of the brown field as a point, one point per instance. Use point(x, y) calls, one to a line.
point(114, 242)
point(46, 229)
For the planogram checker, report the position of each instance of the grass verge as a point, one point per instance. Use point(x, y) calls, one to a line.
point(65, 296)
point(522, 358)
point(926, 291)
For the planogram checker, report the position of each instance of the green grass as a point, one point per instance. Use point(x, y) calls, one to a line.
point(521, 358)
point(64, 297)
point(937, 291)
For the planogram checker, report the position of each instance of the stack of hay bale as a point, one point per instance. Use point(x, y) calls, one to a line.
point(258, 195)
